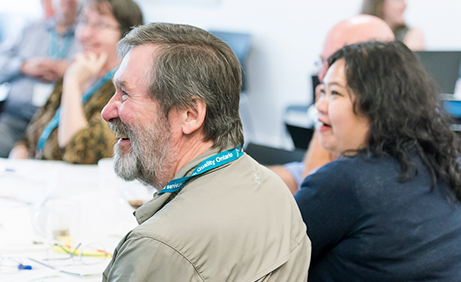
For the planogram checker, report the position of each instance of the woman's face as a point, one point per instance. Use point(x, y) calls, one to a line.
point(393, 12)
point(98, 33)
point(341, 129)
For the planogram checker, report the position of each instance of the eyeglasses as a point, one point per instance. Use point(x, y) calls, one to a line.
point(98, 26)
point(320, 64)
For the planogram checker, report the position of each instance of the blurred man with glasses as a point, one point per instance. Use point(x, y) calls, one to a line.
point(31, 66)
point(350, 31)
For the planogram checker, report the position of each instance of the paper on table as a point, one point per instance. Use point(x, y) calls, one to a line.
point(78, 270)
point(15, 228)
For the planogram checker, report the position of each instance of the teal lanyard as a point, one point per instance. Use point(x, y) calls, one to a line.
point(55, 120)
point(59, 51)
point(206, 165)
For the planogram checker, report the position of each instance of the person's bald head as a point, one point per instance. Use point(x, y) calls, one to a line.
point(351, 31)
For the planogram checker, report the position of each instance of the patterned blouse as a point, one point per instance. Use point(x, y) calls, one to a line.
point(88, 145)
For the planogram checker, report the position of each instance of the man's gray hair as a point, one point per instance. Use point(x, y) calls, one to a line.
point(190, 63)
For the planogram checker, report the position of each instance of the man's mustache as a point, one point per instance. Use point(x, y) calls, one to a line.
point(119, 128)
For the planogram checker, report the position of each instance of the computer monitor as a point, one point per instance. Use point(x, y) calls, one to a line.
point(453, 107)
point(444, 66)
point(240, 44)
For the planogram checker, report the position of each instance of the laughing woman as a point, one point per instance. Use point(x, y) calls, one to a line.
point(389, 209)
point(69, 127)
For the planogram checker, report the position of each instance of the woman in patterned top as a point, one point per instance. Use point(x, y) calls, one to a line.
point(69, 127)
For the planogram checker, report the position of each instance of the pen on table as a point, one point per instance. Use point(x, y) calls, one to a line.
point(6, 169)
point(46, 277)
point(62, 271)
point(24, 267)
point(15, 199)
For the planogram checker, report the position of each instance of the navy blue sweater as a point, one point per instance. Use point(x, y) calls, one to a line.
point(366, 226)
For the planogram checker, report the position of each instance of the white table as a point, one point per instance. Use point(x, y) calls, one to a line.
point(104, 217)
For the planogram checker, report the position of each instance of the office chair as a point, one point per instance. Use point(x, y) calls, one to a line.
point(273, 156)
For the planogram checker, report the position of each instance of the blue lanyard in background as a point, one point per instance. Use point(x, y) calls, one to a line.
point(59, 51)
point(54, 122)
point(206, 165)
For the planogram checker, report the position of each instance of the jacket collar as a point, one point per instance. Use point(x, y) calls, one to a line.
point(147, 210)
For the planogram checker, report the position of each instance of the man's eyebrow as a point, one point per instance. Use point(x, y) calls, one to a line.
point(122, 84)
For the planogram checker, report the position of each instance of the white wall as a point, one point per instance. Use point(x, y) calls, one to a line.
point(15, 14)
point(439, 20)
point(287, 38)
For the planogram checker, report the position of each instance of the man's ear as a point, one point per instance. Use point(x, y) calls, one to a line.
point(193, 117)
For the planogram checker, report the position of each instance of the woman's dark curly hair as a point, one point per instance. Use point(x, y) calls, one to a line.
point(400, 99)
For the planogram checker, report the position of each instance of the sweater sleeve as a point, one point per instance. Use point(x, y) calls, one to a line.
point(329, 206)
point(147, 259)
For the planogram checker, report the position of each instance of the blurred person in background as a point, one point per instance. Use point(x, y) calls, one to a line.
point(47, 6)
point(69, 127)
point(391, 11)
point(388, 209)
point(354, 30)
point(31, 65)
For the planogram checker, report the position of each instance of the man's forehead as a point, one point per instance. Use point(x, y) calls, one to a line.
point(331, 46)
point(144, 50)
point(134, 68)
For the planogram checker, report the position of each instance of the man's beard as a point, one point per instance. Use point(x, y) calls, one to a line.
point(149, 157)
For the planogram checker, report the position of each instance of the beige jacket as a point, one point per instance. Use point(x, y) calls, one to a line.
point(237, 222)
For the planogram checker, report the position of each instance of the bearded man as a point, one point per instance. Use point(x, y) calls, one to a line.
point(219, 215)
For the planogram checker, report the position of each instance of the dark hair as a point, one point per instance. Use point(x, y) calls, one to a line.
point(375, 8)
point(126, 12)
point(191, 63)
point(400, 99)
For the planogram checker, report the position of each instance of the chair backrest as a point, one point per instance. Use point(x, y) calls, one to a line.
point(240, 43)
point(297, 123)
point(273, 156)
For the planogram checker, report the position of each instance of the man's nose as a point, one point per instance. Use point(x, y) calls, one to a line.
point(110, 111)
